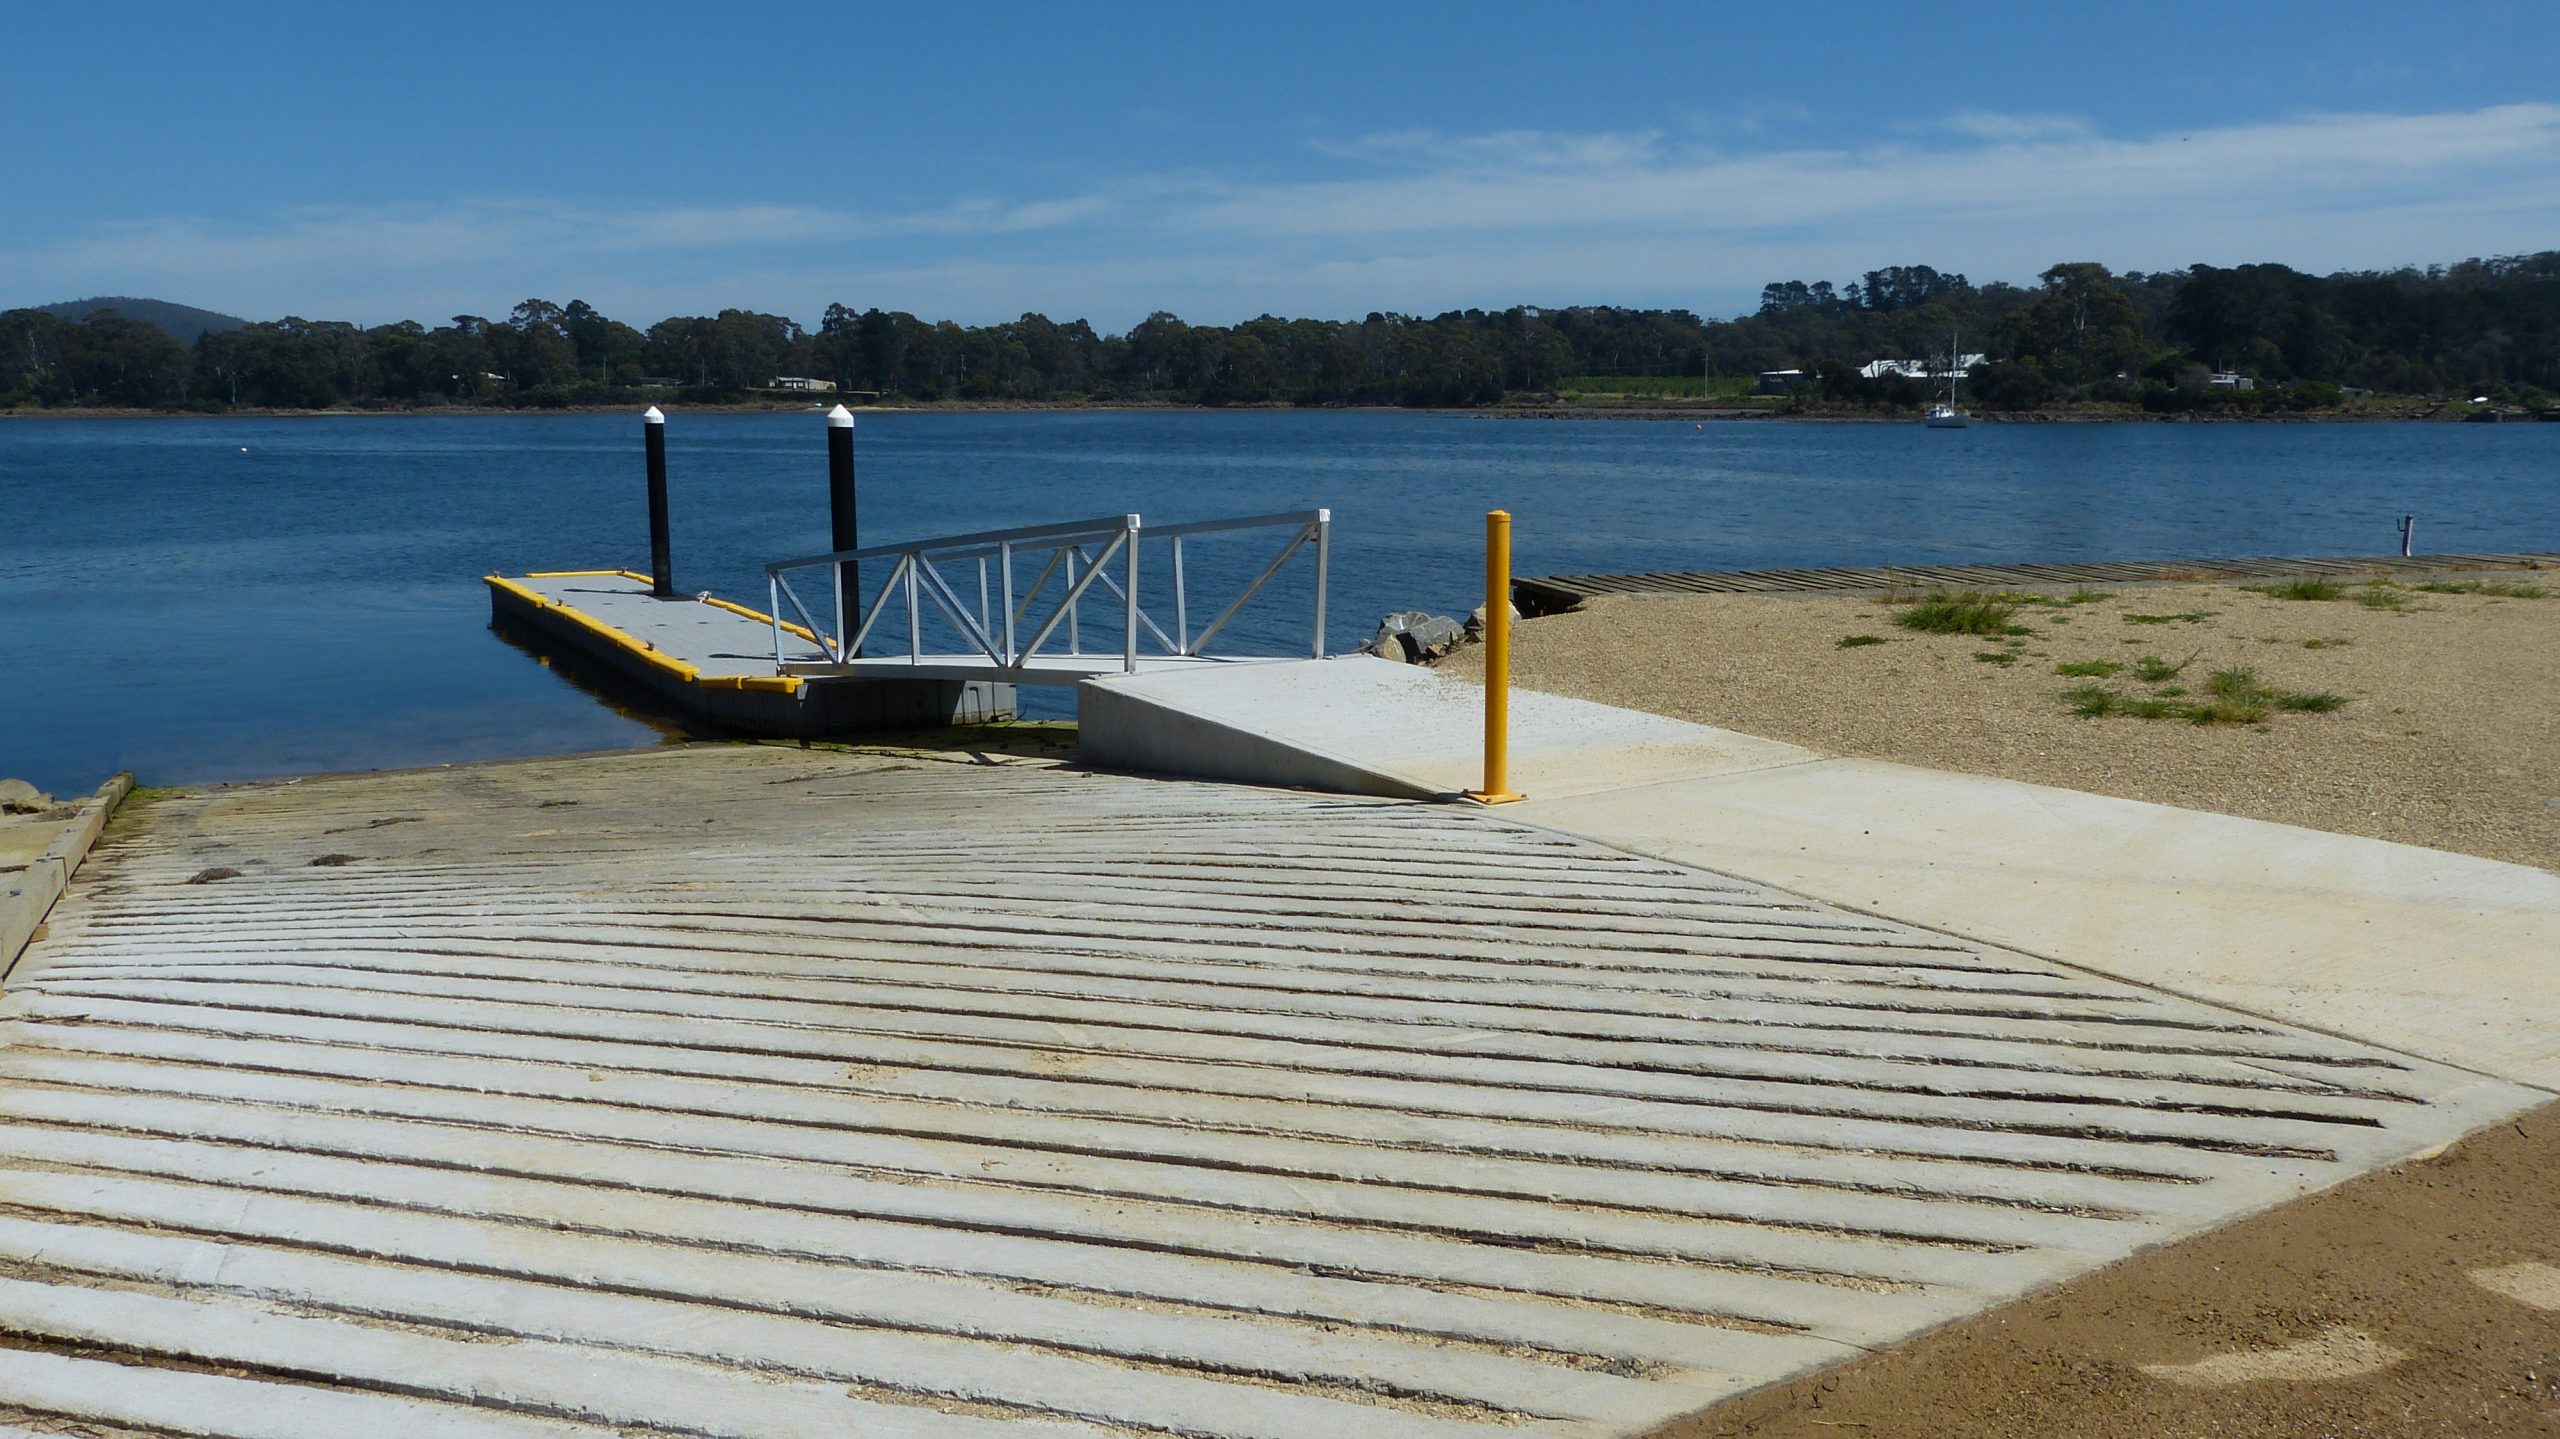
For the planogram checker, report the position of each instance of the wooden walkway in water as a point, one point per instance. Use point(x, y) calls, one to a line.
point(759, 1092)
point(1550, 594)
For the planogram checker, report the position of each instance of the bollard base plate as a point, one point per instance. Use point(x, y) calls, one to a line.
point(1496, 796)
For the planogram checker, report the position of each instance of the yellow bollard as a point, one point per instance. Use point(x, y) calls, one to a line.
point(1497, 662)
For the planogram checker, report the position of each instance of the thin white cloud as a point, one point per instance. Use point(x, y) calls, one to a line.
point(1990, 125)
point(2057, 178)
point(1498, 150)
point(1413, 220)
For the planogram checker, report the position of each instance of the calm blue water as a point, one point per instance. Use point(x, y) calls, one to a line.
point(211, 599)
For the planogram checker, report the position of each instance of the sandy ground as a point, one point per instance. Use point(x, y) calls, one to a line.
point(2450, 736)
point(2418, 1301)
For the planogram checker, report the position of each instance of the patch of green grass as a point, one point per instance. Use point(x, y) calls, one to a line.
point(2228, 711)
point(1964, 612)
point(2382, 595)
point(2089, 669)
point(2152, 670)
point(1851, 642)
point(2233, 696)
point(2306, 589)
point(2082, 596)
point(2183, 617)
point(2502, 589)
point(2090, 701)
point(1995, 657)
point(2330, 643)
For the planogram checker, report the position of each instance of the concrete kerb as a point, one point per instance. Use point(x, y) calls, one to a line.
point(1359, 725)
point(28, 891)
point(1120, 727)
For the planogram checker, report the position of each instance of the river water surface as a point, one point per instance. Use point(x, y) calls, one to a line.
point(215, 599)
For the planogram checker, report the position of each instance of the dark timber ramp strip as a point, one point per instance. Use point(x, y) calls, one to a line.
point(1550, 594)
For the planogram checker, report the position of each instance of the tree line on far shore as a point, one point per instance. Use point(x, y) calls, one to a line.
point(2080, 334)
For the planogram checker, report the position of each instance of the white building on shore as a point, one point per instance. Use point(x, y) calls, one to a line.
point(1919, 369)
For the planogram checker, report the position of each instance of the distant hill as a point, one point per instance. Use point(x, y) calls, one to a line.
point(182, 322)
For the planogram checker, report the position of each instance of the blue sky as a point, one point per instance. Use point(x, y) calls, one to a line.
point(973, 162)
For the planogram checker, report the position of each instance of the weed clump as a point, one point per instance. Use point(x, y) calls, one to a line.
point(1965, 612)
point(2312, 589)
point(2501, 589)
point(2090, 701)
point(1996, 657)
point(2234, 696)
point(1851, 642)
point(2183, 617)
point(2382, 595)
point(2153, 670)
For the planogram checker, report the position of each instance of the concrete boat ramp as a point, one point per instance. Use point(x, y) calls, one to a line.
point(766, 1091)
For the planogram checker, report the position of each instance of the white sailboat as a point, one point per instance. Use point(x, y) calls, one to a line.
point(1947, 414)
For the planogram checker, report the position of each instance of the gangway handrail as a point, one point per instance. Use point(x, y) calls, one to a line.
point(1099, 526)
point(1083, 551)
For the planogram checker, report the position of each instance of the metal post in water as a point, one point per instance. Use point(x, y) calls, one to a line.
point(662, 573)
point(1497, 662)
point(845, 534)
point(2408, 532)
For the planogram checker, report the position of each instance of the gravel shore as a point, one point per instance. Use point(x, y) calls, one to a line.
point(2449, 734)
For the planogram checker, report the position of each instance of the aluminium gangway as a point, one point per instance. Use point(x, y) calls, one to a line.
point(970, 589)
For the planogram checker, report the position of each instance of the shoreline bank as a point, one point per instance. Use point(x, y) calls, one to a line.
point(2083, 415)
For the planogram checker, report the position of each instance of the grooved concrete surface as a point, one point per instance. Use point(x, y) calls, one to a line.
point(758, 1092)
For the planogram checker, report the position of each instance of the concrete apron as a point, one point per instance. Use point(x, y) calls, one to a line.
point(2446, 956)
